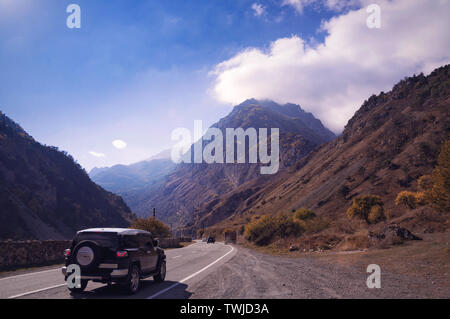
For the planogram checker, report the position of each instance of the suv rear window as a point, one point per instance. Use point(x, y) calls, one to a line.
point(130, 241)
point(104, 239)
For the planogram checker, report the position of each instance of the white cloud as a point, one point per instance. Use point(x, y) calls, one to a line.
point(334, 5)
point(258, 9)
point(332, 79)
point(339, 5)
point(95, 154)
point(297, 4)
point(119, 144)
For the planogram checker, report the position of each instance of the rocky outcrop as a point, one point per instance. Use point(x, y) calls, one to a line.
point(391, 235)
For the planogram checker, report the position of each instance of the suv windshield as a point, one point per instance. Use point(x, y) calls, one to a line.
point(104, 239)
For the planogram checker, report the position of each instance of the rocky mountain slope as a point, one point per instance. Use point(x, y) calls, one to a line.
point(391, 141)
point(179, 195)
point(45, 194)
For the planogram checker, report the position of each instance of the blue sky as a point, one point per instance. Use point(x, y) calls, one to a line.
point(135, 70)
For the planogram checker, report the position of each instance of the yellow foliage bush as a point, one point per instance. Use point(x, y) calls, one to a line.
point(362, 207)
point(411, 200)
point(406, 198)
point(314, 225)
point(303, 214)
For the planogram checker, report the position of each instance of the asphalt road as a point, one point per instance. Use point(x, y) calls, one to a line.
point(185, 266)
point(219, 271)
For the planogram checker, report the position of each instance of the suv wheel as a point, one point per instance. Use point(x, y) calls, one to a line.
point(81, 289)
point(161, 272)
point(133, 281)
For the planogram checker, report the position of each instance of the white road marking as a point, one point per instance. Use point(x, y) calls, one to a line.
point(31, 273)
point(176, 256)
point(191, 276)
point(151, 297)
point(35, 291)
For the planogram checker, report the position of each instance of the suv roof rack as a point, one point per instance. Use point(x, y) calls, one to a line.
point(121, 231)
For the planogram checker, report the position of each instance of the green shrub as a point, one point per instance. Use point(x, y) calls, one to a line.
point(264, 230)
point(303, 214)
point(362, 206)
point(314, 225)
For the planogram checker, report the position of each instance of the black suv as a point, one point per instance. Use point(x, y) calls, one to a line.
point(211, 240)
point(116, 255)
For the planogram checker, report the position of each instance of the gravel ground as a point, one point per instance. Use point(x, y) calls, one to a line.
point(250, 274)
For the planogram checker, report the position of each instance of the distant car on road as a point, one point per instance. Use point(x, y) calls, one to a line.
point(204, 240)
point(211, 240)
point(116, 255)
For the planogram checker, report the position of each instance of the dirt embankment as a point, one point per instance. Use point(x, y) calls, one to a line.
point(412, 270)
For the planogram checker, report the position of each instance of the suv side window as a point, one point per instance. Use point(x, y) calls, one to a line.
point(146, 241)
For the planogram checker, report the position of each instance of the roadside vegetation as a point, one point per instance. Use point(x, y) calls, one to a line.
point(303, 224)
point(153, 225)
point(265, 229)
point(305, 229)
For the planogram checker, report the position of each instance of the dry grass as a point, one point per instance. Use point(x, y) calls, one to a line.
point(429, 259)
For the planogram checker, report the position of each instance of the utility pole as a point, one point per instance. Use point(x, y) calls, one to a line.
point(154, 213)
point(171, 231)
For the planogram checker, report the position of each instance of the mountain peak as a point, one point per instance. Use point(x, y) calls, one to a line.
point(289, 117)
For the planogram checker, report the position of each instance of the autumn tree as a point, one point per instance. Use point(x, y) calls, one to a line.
point(440, 191)
point(153, 225)
point(368, 207)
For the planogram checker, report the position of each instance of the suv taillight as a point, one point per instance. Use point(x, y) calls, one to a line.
point(122, 254)
point(67, 252)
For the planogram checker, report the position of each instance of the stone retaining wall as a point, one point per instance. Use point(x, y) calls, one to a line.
point(17, 254)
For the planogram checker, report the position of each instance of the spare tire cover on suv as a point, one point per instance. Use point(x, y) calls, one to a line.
point(87, 254)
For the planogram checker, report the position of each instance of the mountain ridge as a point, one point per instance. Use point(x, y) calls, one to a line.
point(45, 194)
point(189, 185)
point(391, 141)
